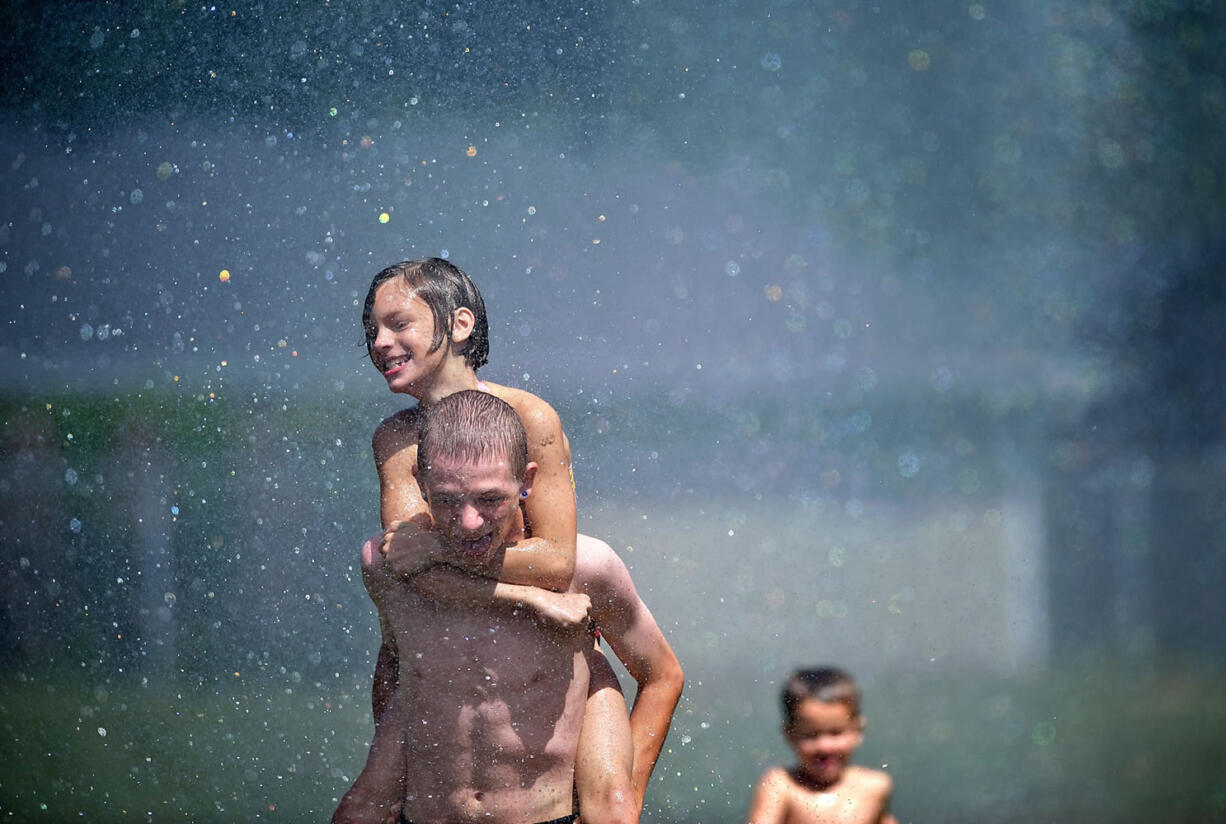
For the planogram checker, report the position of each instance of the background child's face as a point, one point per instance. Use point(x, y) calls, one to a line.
point(823, 736)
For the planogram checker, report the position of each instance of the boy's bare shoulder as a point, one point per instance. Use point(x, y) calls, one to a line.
point(775, 774)
point(394, 433)
point(869, 781)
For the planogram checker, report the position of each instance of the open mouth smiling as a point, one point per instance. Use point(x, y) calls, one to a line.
point(393, 365)
point(475, 546)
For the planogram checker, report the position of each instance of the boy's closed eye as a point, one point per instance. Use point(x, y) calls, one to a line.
point(810, 734)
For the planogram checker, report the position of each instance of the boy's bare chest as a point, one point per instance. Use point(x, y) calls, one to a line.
point(845, 805)
point(463, 650)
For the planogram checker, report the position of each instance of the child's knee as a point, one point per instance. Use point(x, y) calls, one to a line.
point(616, 808)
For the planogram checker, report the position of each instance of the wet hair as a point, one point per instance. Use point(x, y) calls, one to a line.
point(445, 288)
point(472, 425)
point(826, 684)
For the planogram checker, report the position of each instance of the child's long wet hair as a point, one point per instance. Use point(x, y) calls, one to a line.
point(445, 288)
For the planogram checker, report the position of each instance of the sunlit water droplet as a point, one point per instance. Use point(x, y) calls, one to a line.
point(74, 525)
point(732, 268)
point(70, 476)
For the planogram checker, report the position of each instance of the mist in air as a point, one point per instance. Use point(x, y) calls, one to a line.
point(886, 336)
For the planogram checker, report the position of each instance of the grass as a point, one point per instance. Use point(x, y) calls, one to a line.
point(1099, 745)
point(235, 752)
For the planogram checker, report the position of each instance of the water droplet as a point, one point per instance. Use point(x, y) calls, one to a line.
point(136, 196)
point(942, 378)
point(70, 476)
point(74, 525)
point(87, 331)
point(908, 464)
point(174, 509)
point(732, 268)
point(102, 731)
point(771, 61)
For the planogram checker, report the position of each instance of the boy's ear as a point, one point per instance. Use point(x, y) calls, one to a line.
point(525, 486)
point(861, 722)
point(462, 323)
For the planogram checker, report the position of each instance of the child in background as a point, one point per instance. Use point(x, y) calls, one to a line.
point(823, 725)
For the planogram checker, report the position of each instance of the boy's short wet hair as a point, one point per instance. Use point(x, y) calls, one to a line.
point(472, 425)
point(829, 685)
point(445, 288)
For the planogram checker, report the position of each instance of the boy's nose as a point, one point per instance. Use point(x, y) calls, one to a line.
point(470, 517)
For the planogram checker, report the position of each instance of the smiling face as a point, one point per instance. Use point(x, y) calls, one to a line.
point(401, 330)
point(475, 505)
point(823, 735)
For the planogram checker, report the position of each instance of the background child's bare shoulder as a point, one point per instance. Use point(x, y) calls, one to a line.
point(870, 782)
point(779, 780)
point(394, 433)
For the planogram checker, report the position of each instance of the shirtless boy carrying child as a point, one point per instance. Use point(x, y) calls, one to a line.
point(823, 725)
point(427, 333)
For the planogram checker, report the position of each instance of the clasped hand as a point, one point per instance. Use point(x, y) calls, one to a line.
point(409, 549)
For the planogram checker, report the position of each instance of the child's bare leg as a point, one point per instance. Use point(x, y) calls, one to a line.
point(377, 795)
point(606, 752)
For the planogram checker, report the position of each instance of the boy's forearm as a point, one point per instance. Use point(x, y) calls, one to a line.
point(650, 720)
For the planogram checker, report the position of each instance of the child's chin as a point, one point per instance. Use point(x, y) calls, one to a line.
point(824, 775)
